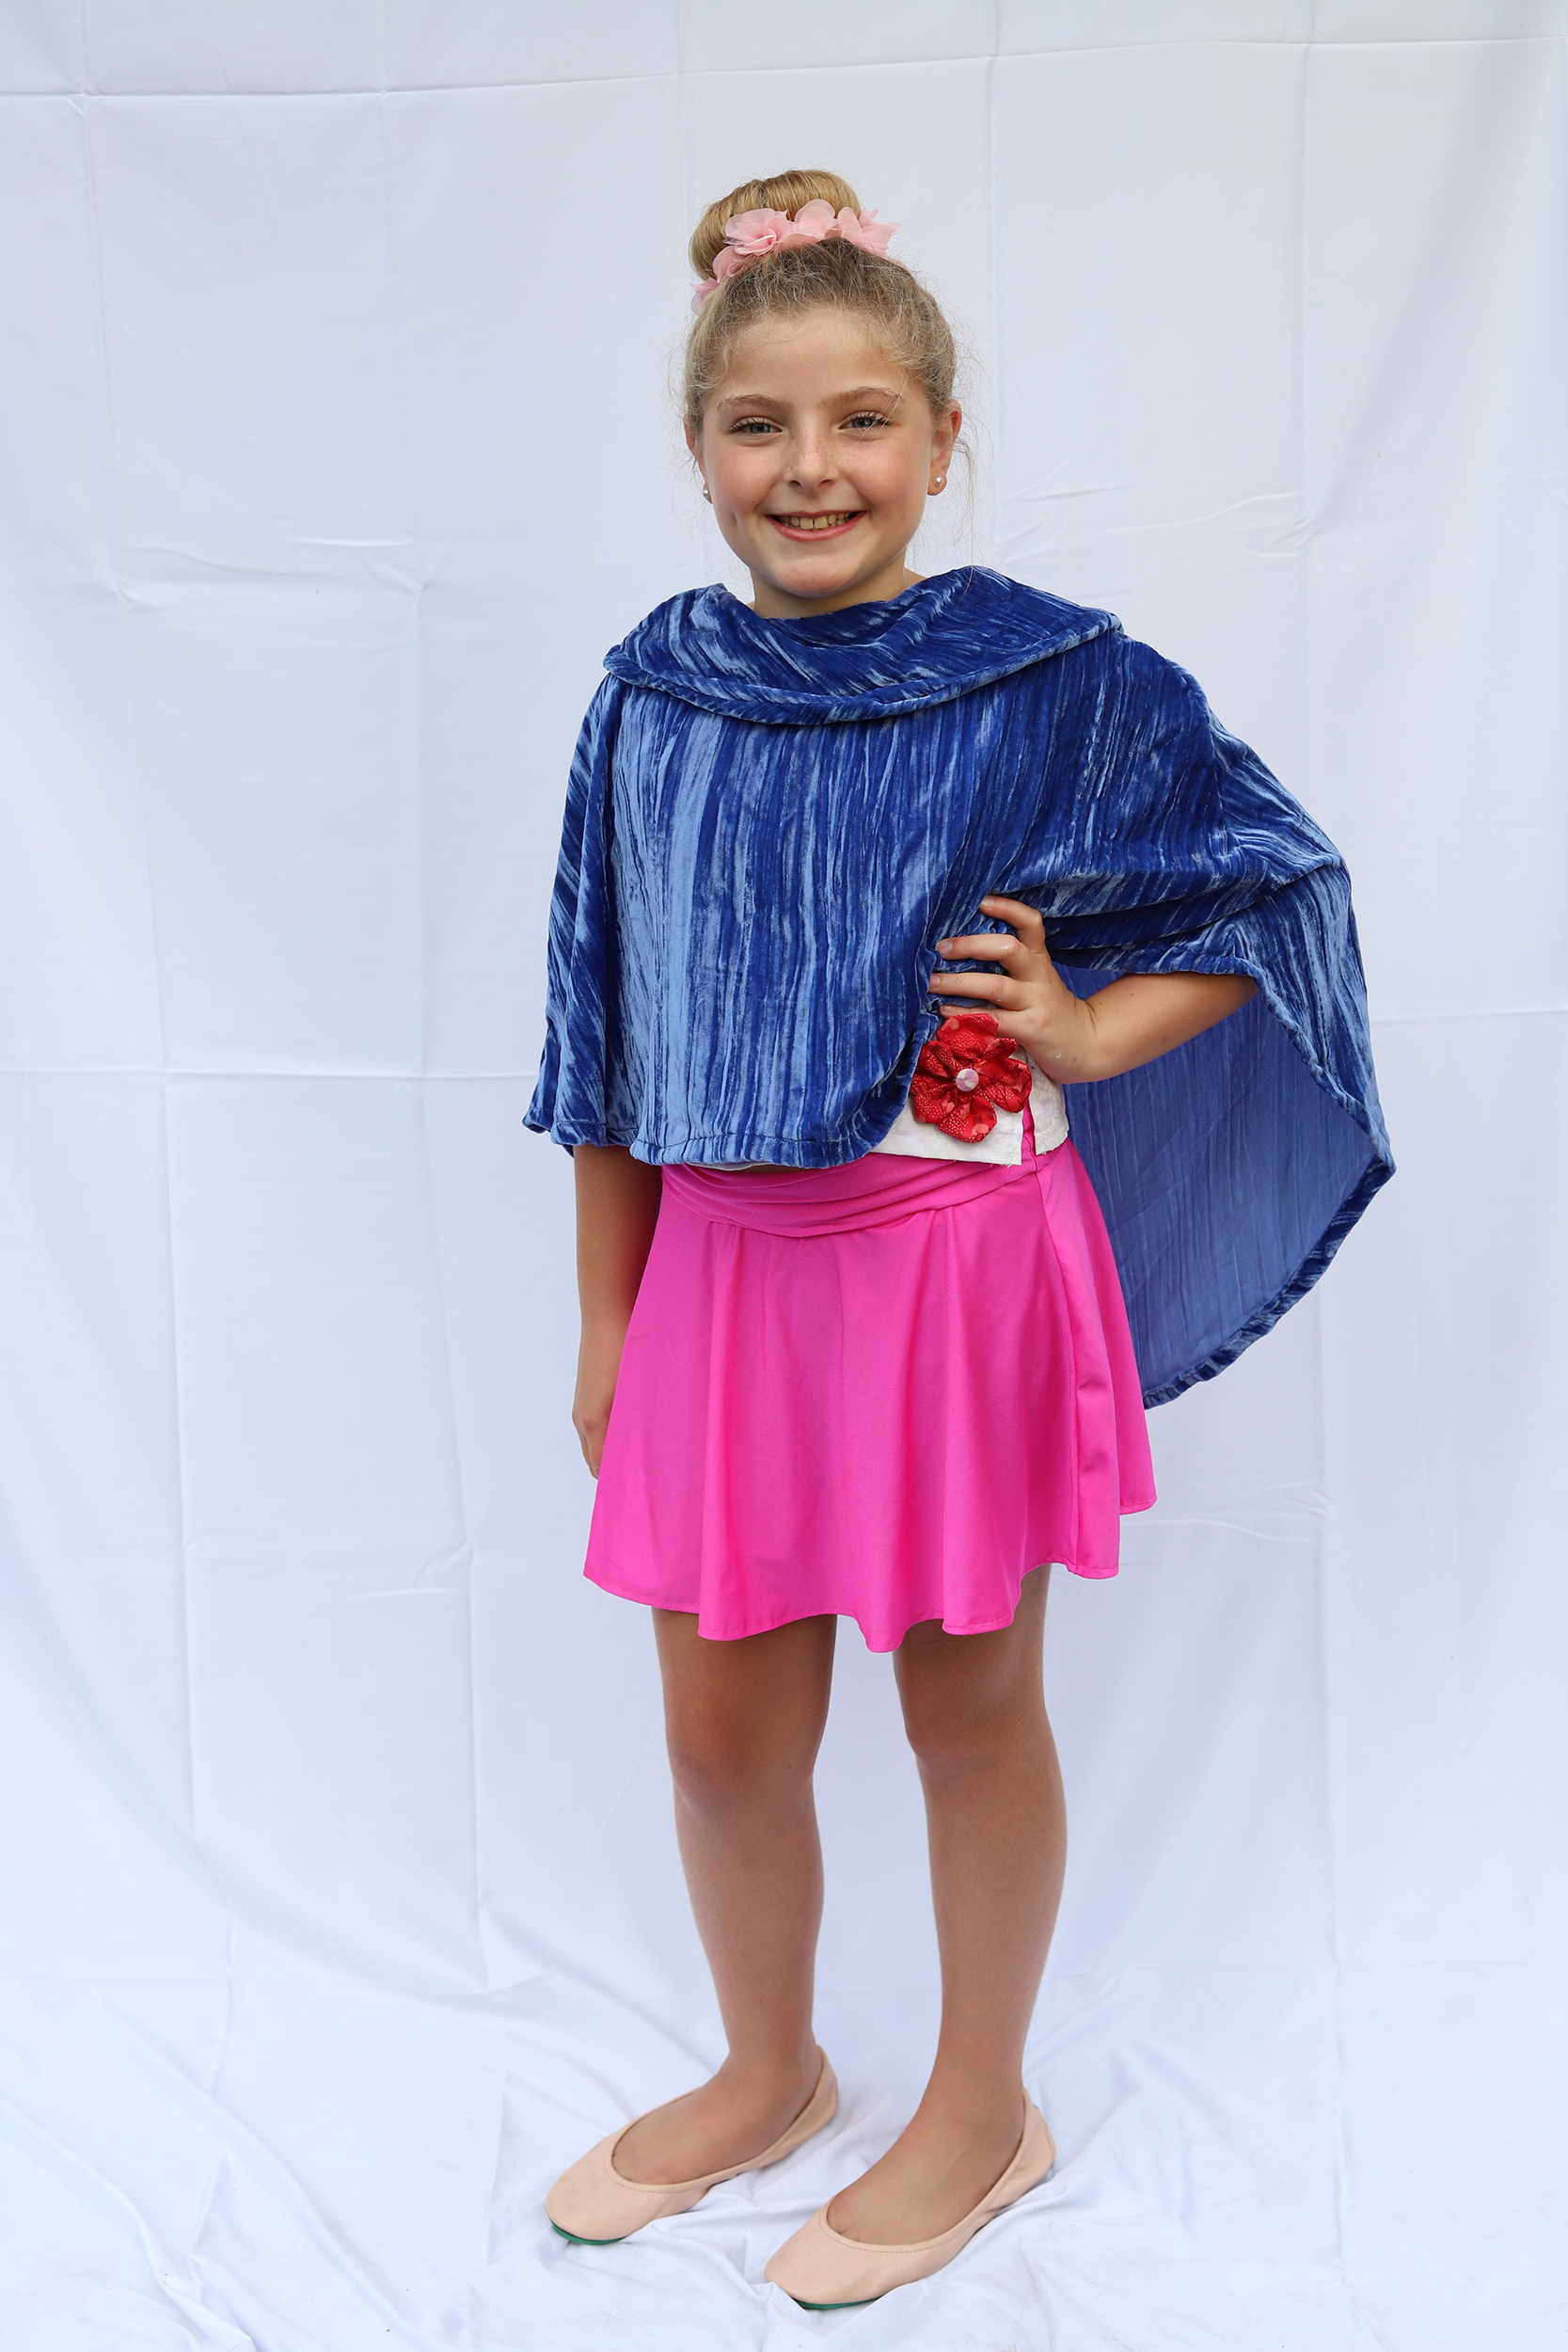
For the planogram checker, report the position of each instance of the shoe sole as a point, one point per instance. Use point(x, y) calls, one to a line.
point(859, 2305)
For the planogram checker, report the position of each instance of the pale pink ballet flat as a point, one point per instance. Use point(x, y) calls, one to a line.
point(598, 2205)
point(822, 2270)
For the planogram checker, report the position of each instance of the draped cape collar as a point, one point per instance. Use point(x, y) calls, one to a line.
point(944, 637)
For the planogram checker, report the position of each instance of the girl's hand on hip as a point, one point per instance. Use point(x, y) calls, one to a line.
point(1028, 998)
point(1129, 1021)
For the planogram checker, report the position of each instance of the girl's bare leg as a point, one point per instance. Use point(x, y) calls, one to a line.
point(744, 1721)
point(975, 1712)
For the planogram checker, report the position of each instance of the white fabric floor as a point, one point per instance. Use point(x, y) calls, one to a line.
point(340, 1901)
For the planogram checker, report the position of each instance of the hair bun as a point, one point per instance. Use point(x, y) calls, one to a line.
point(785, 193)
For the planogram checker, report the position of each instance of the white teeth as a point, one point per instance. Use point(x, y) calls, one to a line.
point(813, 522)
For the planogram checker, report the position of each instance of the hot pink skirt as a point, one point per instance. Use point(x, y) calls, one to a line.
point(885, 1390)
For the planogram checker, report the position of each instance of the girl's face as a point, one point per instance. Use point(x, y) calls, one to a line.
point(819, 454)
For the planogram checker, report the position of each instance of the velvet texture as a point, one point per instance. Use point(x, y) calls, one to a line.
point(769, 824)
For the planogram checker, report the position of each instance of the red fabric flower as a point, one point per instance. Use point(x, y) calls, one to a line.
point(965, 1074)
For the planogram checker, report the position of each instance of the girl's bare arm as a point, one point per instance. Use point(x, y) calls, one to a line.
point(1134, 1019)
point(617, 1209)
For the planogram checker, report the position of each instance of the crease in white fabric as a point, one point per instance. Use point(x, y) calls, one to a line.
point(258, 2165)
point(73, 2173)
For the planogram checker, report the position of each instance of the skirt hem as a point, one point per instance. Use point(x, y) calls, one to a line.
point(620, 1591)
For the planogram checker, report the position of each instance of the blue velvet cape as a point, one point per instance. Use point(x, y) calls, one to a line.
point(770, 824)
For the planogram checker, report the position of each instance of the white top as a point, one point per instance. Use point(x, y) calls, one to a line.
point(1003, 1147)
point(912, 1139)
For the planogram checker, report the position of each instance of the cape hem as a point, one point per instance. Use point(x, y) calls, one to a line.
point(1262, 1319)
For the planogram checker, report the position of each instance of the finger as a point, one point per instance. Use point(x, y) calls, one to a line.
point(985, 946)
point(990, 987)
point(1026, 920)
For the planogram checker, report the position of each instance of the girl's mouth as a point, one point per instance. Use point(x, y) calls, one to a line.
point(804, 527)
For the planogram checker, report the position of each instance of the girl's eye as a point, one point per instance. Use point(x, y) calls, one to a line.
point(867, 416)
point(753, 426)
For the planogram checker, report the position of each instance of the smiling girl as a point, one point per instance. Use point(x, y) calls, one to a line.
point(856, 1338)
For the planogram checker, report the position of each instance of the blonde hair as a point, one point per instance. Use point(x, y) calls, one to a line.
point(782, 285)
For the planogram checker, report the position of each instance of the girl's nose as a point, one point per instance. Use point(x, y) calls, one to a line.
point(812, 461)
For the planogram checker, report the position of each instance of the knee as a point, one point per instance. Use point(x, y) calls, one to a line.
point(721, 1766)
point(963, 1727)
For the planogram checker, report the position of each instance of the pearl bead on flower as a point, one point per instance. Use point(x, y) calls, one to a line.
point(961, 1095)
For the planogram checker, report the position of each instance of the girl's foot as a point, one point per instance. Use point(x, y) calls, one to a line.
point(733, 2117)
point(936, 2172)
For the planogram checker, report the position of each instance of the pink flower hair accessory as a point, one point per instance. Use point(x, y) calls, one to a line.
point(749, 236)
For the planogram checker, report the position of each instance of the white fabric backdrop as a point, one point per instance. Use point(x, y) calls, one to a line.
point(340, 1900)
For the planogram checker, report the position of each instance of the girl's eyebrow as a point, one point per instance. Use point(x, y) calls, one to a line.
point(765, 400)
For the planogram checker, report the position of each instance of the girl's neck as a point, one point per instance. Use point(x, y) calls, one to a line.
point(775, 604)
